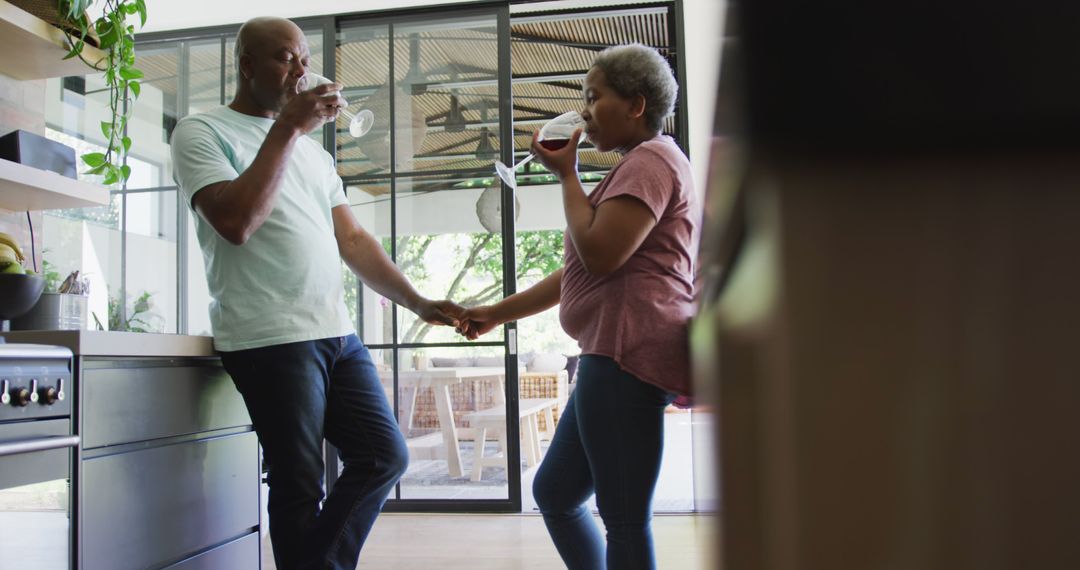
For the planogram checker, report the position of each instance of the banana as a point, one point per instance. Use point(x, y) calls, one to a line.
point(12, 267)
point(7, 253)
point(8, 241)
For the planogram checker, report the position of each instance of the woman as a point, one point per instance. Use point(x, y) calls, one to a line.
point(626, 294)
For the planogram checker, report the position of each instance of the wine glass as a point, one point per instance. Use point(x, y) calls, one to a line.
point(359, 124)
point(555, 134)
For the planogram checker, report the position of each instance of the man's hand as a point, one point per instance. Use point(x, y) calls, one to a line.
point(309, 110)
point(439, 312)
point(476, 322)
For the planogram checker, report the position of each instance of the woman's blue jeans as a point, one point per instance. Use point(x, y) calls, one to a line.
point(609, 441)
point(297, 394)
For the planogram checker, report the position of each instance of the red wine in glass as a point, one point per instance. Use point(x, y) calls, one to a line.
point(555, 134)
point(554, 144)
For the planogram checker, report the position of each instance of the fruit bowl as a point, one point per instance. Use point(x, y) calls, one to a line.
point(18, 294)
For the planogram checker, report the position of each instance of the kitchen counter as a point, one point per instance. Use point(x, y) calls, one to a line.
point(108, 343)
point(153, 412)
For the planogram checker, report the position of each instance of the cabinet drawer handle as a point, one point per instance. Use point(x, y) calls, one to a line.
point(40, 444)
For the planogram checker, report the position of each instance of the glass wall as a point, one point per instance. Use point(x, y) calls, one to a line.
point(414, 181)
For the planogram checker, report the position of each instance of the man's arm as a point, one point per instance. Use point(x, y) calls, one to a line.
point(367, 259)
point(238, 207)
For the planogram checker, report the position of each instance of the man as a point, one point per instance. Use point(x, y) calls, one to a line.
point(272, 220)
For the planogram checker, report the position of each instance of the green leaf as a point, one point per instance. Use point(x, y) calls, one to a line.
point(107, 35)
point(135, 87)
point(112, 177)
point(94, 159)
point(98, 169)
point(130, 73)
point(125, 172)
point(106, 129)
point(126, 141)
point(141, 5)
point(130, 9)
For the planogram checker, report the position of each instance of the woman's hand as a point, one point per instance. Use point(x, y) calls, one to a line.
point(561, 162)
point(477, 321)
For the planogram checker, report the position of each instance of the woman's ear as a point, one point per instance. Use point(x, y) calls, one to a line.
point(637, 107)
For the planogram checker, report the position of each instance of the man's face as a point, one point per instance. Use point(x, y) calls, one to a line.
point(273, 63)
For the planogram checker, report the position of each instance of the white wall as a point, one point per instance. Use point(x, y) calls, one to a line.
point(176, 15)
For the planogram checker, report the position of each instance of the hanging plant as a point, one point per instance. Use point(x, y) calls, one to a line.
point(116, 38)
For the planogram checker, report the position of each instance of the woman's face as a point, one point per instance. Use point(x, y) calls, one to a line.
point(609, 118)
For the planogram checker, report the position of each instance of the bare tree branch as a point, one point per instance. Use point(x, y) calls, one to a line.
point(419, 328)
point(469, 263)
point(412, 260)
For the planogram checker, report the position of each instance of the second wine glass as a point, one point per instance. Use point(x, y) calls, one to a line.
point(555, 134)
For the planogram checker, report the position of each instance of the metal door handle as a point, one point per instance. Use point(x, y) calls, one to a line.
point(40, 444)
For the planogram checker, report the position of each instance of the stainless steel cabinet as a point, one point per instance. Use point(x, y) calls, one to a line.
point(169, 467)
point(241, 553)
point(154, 400)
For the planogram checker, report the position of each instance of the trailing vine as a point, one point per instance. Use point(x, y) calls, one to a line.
point(116, 38)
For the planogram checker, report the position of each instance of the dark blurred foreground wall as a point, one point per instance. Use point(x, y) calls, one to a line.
point(891, 328)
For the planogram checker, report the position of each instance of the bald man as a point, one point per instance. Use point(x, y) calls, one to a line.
point(272, 220)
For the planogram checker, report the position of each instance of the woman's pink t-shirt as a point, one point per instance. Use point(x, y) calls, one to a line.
point(638, 315)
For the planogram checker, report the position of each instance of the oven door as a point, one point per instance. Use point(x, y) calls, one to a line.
point(35, 494)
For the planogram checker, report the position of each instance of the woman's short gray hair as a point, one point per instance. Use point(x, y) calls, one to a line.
point(635, 69)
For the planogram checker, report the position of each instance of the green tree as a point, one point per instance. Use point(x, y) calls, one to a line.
point(478, 263)
point(478, 279)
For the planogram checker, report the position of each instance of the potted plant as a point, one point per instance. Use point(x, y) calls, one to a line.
point(114, 36)
point(135, 320)
point(62, 305)
point(419, 359)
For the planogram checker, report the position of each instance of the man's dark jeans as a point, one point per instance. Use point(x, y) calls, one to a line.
point(609, 440)
point(297, 394)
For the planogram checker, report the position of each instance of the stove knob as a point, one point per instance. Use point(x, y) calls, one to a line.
point(33, 391)
point(5, 397)
point(48, 396)
point(20, 397)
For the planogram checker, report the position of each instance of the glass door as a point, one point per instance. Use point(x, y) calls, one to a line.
point(422, 181)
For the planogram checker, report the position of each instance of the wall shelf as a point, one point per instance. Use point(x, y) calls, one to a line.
point(34, 49)
point(25, 188)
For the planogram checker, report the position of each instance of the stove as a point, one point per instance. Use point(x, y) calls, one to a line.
point(36, 449)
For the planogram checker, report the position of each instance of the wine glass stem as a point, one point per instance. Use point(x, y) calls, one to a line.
point(524, 161)
point(347, 114)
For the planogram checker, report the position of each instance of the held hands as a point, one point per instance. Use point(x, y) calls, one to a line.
point(309, 110)
point(477, 321)
point(439, 312)
point(470, 323)
point(561, 162)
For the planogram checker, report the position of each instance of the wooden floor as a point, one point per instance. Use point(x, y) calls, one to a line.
point(511, 542)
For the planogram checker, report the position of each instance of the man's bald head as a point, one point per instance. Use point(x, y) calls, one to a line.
point(259, 36)
point(271, 55)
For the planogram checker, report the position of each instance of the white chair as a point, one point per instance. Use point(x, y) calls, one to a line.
point(494, 420)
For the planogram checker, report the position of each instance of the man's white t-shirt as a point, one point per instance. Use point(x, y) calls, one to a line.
point(285, 283)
